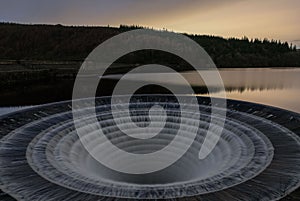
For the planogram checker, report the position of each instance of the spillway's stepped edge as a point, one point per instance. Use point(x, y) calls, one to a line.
point(272, 181)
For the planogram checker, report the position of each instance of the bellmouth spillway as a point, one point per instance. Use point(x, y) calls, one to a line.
point(256, 158)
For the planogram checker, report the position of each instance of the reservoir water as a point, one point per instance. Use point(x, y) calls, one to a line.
point(279, 87)
point(276, 87)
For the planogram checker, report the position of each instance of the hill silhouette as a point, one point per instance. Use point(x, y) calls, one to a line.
point(74, 43)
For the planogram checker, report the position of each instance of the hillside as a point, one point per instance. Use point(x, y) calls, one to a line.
point(73, 43)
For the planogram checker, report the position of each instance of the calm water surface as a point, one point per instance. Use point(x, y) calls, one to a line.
point(276, 87)
point(279, 87)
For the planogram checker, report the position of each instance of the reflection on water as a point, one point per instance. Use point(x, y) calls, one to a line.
point(284, 98)
point(278, 87)
point(234, 79)
point(260, 79)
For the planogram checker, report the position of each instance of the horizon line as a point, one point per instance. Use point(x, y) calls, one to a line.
point(144, 27)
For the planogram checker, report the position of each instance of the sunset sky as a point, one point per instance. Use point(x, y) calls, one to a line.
point(277, 19)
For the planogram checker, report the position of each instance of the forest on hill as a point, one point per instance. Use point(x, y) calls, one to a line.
point(20, 42)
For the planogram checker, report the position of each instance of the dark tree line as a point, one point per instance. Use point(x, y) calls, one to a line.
point(74, 43)
point(235, 52)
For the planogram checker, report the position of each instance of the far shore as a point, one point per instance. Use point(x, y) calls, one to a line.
point(18, 72)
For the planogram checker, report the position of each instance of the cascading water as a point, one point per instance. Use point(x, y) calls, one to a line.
point(256, 158)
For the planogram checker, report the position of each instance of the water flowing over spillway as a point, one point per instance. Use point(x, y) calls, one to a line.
point(256, 158)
